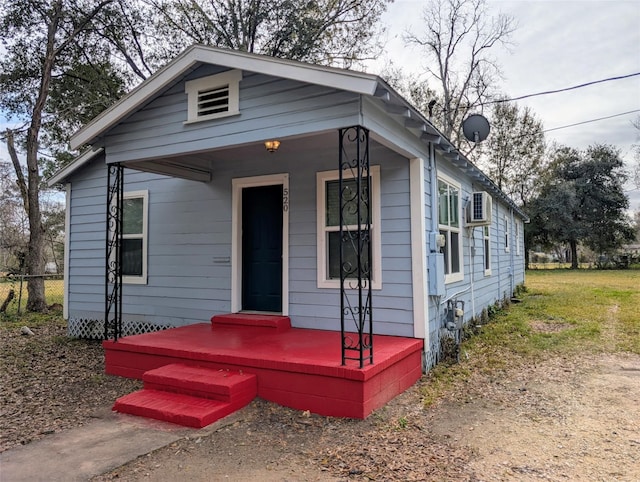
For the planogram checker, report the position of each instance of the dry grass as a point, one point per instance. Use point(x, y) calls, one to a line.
point(54, 292)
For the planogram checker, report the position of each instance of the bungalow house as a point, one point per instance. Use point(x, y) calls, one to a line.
point(274, 194)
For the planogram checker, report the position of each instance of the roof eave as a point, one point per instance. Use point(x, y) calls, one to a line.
point(428, 133)
point(76, 164)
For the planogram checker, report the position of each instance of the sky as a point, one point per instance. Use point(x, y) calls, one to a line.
point(557, 44)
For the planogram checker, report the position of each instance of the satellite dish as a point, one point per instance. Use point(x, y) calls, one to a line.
point(475, 128)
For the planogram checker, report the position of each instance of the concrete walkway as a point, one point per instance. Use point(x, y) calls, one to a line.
point(97, 447)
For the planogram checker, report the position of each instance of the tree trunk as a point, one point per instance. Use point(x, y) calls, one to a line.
point(574, 253)
point(36, 299)
point(35, 261)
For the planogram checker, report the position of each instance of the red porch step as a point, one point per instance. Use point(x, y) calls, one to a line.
point(223, 385)
point(278, 322)
point(187, 395)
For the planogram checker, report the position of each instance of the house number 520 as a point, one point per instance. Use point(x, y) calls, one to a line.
point(285, 199)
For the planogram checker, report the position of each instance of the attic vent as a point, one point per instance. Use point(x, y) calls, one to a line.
point(213, 97)
point(479, 210)
point(213, 101)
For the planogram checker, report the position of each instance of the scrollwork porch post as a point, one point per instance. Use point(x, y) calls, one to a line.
point(113, 253)
point(355, 246)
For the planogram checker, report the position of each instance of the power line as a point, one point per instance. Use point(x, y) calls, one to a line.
point(591, 120)
point(579, 86)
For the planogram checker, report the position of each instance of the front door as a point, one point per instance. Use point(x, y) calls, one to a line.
point(262, 248)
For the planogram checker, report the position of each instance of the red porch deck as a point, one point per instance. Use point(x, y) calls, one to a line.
point(295, 367)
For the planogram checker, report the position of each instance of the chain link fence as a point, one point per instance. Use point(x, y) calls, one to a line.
point(13, 292)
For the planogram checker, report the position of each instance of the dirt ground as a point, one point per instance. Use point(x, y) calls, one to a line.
point(563, 419)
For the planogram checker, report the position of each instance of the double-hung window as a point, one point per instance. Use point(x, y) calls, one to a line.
point(328, 227)
point(134, 237)
point(450, 228)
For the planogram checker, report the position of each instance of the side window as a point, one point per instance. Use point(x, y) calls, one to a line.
point(517, 236)
point(450, 227)
point(487, 249)
point(134, 237)
point(507, 234)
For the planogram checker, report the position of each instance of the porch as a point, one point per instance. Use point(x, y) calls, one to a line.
point(295, 367)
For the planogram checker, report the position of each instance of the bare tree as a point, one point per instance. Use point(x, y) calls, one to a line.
point(458, 38)
point(330, 32)
point(411, 87)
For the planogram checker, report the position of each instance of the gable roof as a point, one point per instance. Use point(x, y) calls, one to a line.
point(347, 80)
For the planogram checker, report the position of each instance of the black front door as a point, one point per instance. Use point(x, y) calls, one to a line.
point(262, 248)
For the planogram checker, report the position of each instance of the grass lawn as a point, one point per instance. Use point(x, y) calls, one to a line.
point(563, 312)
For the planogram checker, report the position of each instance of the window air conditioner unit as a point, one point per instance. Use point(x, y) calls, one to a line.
point(479, 210)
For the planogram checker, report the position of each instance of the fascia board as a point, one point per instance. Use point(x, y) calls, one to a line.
point(348, 80)
point(76, 164)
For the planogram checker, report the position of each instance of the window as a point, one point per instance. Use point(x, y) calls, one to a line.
point(517, 236)
point(328, 228)
point(213, 97)
point(506, 234)
point(134, 237)
point(449, 226)
point(487, 250)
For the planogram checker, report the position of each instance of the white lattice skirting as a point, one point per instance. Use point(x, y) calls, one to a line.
point(94, 329)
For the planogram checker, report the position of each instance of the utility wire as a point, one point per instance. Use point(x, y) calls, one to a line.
point(546, 92)
point(591, 120)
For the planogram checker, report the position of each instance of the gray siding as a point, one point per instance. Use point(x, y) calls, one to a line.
point(269, 107)
point(479, 290)
point(189, 244)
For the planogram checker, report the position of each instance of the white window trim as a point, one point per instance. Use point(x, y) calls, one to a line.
point(67, 242)
point(486, 238)
point(517, 236)
point(231, 78)
point(237, 185)
point(507, 234)
point(321, 243)
point(453, 277)
point(139, 280)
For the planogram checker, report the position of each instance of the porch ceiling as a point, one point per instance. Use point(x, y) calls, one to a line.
point(200, 166)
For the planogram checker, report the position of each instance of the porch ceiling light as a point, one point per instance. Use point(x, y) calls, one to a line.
point(272, 146)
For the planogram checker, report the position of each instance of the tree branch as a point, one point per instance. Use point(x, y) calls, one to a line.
point(20, 181)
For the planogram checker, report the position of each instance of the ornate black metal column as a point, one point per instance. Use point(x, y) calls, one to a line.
point(113, 253)
point(355, 246)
